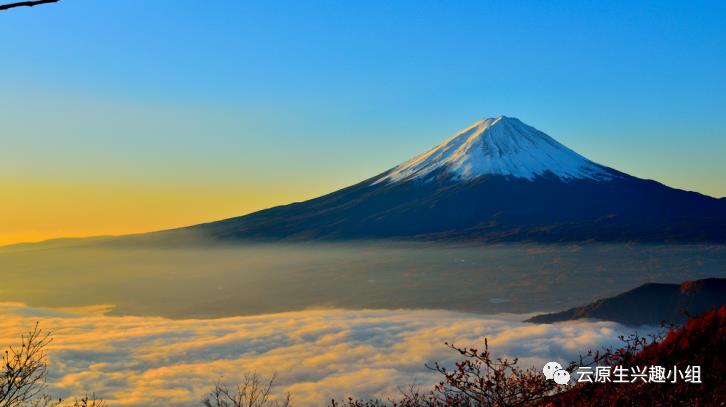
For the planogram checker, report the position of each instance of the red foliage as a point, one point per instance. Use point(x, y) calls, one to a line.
point(480, 380)
point(700, 342)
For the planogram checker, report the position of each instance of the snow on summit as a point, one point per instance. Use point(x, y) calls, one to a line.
point(499, 146)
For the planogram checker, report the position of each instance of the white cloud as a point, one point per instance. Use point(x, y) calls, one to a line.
point(318, 354)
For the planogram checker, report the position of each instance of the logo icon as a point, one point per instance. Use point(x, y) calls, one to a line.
point(562, 376)
point(554, 371)
point(550, 368)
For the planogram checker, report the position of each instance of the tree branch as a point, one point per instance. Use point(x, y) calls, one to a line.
point(25, 4)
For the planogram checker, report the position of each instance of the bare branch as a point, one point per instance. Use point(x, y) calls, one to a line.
point(22, 377)
point(254, 391)
point(25, 4)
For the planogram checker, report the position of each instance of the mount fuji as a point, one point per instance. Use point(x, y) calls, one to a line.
point(502, 146)
point(497, 180)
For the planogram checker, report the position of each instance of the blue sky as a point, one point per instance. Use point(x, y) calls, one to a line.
point(281, 101)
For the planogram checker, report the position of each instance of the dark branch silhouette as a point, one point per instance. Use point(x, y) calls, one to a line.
point(25, 4)
point(254, 391)
point(23, 373)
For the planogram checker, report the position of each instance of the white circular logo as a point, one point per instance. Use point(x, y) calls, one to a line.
point(550, 368)
point(562, 376)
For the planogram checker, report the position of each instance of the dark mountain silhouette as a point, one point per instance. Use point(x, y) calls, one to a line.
point(650, 304)
point(497, 180)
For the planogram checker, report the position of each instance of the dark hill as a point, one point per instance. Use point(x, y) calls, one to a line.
point(650, 304)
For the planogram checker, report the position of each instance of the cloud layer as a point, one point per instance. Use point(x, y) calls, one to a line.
point(317, 354)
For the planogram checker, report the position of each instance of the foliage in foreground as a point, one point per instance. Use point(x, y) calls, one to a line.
point(254, 391)
point(478, 380)
point(24, 372)
point(700, 342)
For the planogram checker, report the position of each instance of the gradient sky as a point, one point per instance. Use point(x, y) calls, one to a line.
point(129, 116)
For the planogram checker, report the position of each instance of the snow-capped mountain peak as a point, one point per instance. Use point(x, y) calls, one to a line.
point(499, 146)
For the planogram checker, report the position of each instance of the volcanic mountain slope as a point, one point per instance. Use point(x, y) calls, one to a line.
point(497, 180)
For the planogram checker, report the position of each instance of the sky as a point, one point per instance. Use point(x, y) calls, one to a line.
point(120, 117)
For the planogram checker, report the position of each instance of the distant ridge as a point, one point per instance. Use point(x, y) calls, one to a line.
point(650, 304)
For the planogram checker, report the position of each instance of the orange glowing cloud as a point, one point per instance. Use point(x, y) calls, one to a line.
point(318, 354)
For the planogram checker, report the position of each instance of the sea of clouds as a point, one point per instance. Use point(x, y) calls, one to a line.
point(317, 354)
